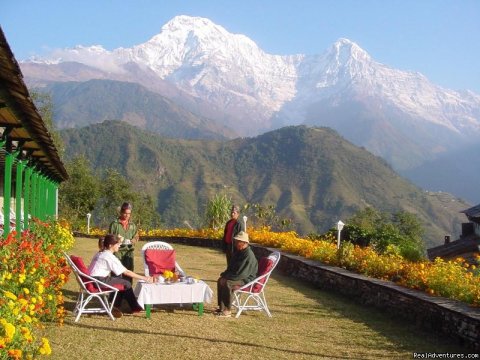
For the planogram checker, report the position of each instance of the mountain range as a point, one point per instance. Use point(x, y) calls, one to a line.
point(311, 175)
point(231, 84)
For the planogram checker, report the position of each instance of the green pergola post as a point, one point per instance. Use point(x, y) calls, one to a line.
point(33, 198)
point(18, 197)
point(7, 192)
point(43, 191)
point(40, 197)
point(26, 197)
point(55, 199)
point(45, 198)
point(48, 188)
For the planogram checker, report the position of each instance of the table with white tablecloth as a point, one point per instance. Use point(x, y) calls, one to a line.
point(175, 293)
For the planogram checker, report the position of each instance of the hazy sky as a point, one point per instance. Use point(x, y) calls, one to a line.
point(439, 38)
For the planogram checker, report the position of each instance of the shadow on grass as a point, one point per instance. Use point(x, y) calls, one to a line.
point(213, 341)
point(403, 334)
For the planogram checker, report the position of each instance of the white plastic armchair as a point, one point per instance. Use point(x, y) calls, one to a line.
point(251, 296)
point(91, 289)
point(158, 245)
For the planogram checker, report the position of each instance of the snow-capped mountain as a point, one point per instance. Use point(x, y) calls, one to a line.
point(388, 111)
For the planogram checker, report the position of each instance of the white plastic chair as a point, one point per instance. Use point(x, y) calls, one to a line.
point(251, 296)
point(90, 288)
point(158, 245)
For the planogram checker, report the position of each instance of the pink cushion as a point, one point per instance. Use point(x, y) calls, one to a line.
point(158, 261)
point(264, 266)
point(78, 261)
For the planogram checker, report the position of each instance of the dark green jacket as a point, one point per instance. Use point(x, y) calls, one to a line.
point(117, 229)
point(243, 266)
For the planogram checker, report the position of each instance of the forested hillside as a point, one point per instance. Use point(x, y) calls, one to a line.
point(312, 175)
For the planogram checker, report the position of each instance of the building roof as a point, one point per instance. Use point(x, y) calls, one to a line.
point(20, 118)
point(473, 212)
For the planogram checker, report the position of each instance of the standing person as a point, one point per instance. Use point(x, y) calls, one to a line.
point(242, 269)
point(105, 263)
point(128, 231)
point(232, 228)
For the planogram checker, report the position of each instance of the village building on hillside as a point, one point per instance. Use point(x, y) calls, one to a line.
point(467, 246)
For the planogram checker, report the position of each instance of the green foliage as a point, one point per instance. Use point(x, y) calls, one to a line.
point(400, 232)
point(217, 211)
point(43, 102)
point(79, 194)
point(85, 192)
point(115, 190)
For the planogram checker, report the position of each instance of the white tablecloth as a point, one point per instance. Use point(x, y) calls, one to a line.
point(177, 293)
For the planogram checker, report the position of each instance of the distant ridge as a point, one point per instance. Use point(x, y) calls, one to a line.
point(132, 103)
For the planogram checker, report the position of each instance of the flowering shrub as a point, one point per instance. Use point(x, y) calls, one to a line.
point(32, 274)
point(453, 279)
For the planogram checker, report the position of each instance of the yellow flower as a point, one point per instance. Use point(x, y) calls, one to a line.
point(21, 278)
point(26, 291)
point(10, 295)
point(40, 288)
point(9, 331)
point(45, 349)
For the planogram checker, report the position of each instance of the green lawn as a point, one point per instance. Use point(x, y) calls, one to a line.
point(307, 323)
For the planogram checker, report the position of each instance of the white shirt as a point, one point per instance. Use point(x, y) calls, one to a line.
point(105, 262)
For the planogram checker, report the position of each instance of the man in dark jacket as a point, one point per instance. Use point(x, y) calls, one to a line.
point(242, 269)
point(232, 228)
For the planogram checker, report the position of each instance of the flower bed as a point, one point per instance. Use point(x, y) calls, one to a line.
point(453, 279)
point(32, 274)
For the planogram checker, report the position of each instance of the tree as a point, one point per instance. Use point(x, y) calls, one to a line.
point(115, 189)
point(382, 230)
point(43, 102)
point(79, 194)
point(145, 214)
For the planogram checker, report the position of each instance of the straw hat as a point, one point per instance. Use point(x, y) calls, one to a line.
point(242, 236)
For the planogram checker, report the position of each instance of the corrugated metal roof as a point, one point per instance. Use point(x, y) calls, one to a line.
point(20, 117)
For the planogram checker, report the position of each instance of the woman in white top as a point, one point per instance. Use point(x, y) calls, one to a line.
point(106, 267)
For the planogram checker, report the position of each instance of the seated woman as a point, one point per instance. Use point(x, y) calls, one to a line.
point(106, 263)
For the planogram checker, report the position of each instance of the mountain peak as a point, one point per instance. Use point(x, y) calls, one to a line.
point(183, 21)
point(183, 27)
point(344, 49)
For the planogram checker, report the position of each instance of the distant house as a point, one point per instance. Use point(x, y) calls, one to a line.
point(469, 243)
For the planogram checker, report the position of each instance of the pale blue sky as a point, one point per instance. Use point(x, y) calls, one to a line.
point(439, 38)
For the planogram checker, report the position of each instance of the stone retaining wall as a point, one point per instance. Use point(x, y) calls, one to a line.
point(444, 316)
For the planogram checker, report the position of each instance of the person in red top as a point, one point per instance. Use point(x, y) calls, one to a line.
point(232, 228)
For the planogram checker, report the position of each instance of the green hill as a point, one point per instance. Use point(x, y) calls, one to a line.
point(311, 175)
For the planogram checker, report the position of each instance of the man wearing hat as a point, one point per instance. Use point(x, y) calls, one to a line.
point(243, 268)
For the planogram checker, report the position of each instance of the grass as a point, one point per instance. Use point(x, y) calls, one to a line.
point(307, 323)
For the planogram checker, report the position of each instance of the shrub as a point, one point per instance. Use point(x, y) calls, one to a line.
point(32, 274)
